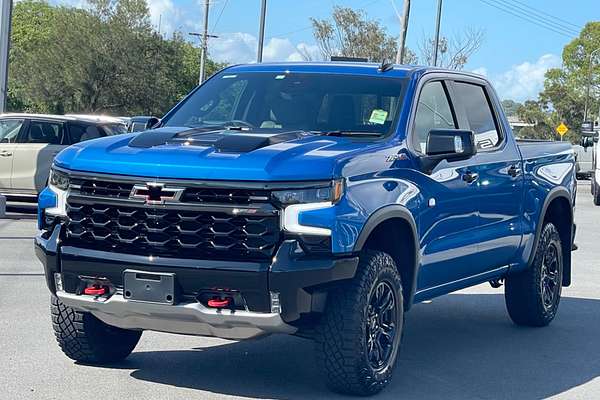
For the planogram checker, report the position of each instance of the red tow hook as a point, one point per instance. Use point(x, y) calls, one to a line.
point(95, 290)
point(219, 303)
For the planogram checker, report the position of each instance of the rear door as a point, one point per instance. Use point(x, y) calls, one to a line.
point(500, 183)
point(9, 131)
point(34, 153)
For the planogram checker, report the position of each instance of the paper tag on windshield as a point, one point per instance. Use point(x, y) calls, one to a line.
point(378, 117)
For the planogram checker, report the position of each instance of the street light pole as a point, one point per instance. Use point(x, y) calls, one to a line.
point(5, 22)
point(261, 34)
point(437, 33)
point(589, 83)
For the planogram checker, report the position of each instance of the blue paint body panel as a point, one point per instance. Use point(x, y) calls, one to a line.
point(473, 233)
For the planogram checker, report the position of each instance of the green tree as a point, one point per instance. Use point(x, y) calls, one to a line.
point(109, 59)
point(350, 33)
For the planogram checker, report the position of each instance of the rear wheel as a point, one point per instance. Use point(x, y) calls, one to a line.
point(532, 296)
point(83, 337)
point(360, 333)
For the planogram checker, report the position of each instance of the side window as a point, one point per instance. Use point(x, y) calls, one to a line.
point(479, 114)
point(9, 129)
point(44, 132)
point(81, 133)
point(433, 112)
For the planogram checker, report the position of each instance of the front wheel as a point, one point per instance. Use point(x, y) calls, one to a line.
point(360, 332)
point(83, 337)
point(532, 296)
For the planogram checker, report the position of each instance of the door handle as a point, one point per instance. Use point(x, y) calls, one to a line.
point(5, 153)
point(470, 177)
point(514, 171)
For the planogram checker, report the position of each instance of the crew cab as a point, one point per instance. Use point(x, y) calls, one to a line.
point(314, 199)
point(29, 142)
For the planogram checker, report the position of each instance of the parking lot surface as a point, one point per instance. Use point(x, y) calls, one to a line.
point(460, 346)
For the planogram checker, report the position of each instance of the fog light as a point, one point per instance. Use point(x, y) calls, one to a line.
point(58, 283)
point(275, 304)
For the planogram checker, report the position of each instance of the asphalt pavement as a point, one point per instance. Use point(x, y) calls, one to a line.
point(460, 346)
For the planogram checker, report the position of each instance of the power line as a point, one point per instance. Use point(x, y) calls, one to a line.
point(535, 14)
point(528, 19)
point(219, 16)
point(554, 17)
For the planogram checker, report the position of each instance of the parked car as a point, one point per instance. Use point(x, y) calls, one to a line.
point(315, 199)
point(29, 142)
point(590, 143)
point(583, 164)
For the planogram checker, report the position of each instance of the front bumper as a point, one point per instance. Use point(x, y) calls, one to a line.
point(301, 281)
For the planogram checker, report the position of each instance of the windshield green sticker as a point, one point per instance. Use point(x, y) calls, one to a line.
point(280, 77)
point(378, 116)
point(229, 76)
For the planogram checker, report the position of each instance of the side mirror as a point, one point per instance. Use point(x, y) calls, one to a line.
point(449, 145)
point(152, 122)
point(588, 141)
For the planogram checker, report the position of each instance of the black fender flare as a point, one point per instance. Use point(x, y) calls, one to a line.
point(554, 194)
point(394, 211)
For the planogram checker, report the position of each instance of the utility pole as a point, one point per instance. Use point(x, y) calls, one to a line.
point(589, 83)
point(261, 33)
point(204, 49)
point(403, 30)
point(437, 33)
point(5, 21)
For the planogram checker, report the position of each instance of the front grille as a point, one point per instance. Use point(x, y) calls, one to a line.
point(119, 190)
point(196, 234)
point(225, 196)
point(191, 195)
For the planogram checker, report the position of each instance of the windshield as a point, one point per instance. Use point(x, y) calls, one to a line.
point(114, 129)
point(301, 101)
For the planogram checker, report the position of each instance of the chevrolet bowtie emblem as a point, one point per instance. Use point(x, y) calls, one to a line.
point(156, 193)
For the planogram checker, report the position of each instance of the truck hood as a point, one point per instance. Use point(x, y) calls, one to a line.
point(184, 153)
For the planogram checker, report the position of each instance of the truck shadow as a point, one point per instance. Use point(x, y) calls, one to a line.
point(458, 347)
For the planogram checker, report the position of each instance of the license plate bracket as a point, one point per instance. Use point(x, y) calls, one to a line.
point(149, 287)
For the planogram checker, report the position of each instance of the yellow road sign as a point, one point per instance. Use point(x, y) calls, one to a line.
point(562, 129)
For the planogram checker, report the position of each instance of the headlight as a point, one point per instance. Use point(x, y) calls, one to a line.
point(305, 200)
point(330, 193)
point(58, 183)
point(58, 180)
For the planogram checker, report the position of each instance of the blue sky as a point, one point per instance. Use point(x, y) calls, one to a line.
point(514, 54)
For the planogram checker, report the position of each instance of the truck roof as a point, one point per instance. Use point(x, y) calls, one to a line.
point(351, 67)
point(99, 119)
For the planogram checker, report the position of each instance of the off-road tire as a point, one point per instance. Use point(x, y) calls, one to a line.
point(84, 338)
point(525, 297)
point(341, 345)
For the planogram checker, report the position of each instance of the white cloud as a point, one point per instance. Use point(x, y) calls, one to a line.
point(241, 47)
point(162, 12)
point(524, 81)
point(480, 71)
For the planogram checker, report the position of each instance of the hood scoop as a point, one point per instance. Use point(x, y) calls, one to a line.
point(223, 141)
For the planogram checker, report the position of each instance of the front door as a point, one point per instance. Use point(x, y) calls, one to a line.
point(9, 131)
point(34, 154)
point(500, 195)
point(448, 225)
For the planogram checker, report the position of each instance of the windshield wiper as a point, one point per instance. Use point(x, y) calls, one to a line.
point(346, 133)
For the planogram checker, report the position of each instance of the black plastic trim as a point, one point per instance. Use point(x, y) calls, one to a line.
point(554, 194)
point(382, 215)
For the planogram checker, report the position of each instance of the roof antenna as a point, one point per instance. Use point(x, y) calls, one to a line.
point(385, 66)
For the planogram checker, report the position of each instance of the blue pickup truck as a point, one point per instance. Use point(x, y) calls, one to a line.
point(316, 199)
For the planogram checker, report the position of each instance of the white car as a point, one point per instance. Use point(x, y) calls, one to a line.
point(29, 142)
